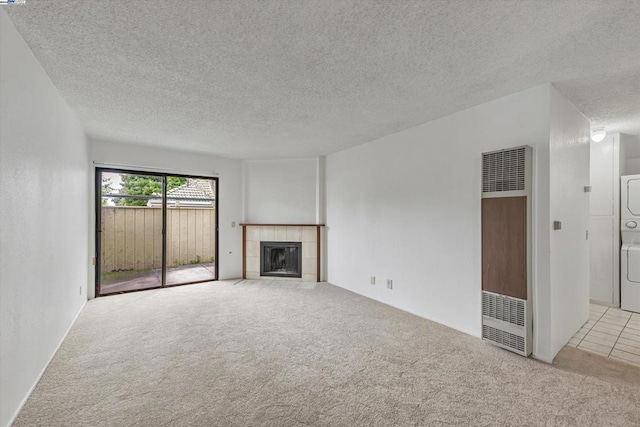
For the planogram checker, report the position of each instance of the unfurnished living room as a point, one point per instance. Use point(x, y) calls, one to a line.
point(339, 212)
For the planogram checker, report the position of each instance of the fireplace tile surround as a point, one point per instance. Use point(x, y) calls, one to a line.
point(307, 234)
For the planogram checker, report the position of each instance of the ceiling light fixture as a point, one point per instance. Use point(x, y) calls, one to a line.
point(598, 134)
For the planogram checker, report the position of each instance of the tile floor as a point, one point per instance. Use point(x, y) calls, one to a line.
point(610, 332)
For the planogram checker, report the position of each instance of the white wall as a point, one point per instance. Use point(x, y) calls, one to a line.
point(406, 207)
point(281, 191)
point(569, 168)
point(229, 172)
point(44, 183)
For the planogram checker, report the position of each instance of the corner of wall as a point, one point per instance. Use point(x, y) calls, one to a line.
point(245, 190)
point(569, 132)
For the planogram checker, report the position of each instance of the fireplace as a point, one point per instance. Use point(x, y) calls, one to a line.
point(281, 259)
point(305, 239)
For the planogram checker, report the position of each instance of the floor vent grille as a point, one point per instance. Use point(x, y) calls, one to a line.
point(506, 321)
point(503, 308)
point(507, 339)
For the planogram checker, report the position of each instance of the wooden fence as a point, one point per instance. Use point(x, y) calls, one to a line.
point(132, 237)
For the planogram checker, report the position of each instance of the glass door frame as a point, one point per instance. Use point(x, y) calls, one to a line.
point(98, 225)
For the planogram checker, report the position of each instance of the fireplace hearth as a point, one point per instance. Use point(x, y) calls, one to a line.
point(281, 259)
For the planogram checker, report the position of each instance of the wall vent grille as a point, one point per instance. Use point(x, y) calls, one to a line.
point(503, 308)
point(504, 338)
point(504, 170)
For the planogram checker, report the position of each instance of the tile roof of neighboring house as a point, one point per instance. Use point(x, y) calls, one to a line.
point(194, 188)
point(195, 192)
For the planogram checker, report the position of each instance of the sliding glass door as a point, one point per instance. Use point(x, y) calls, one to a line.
point(191, 237)
point(154, 230)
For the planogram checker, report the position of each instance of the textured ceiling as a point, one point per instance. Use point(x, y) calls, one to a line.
point(266, 79)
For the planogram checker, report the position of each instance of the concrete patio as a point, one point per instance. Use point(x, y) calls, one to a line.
point(130, 281)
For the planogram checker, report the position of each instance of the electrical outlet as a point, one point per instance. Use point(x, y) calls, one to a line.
point(373, 280)
point(233, 224)
point(80, 290)
point(389, 284)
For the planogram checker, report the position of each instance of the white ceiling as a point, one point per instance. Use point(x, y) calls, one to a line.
point(265, 79)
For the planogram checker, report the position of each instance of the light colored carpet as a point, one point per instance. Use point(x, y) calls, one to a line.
point(283, 354)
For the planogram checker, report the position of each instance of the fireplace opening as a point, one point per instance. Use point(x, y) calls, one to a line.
point(281, 259)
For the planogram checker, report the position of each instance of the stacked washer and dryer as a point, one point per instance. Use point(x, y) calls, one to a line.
point(630, 250)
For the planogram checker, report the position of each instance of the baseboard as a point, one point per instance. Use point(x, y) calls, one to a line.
point(607, 304)
point(64, 336)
